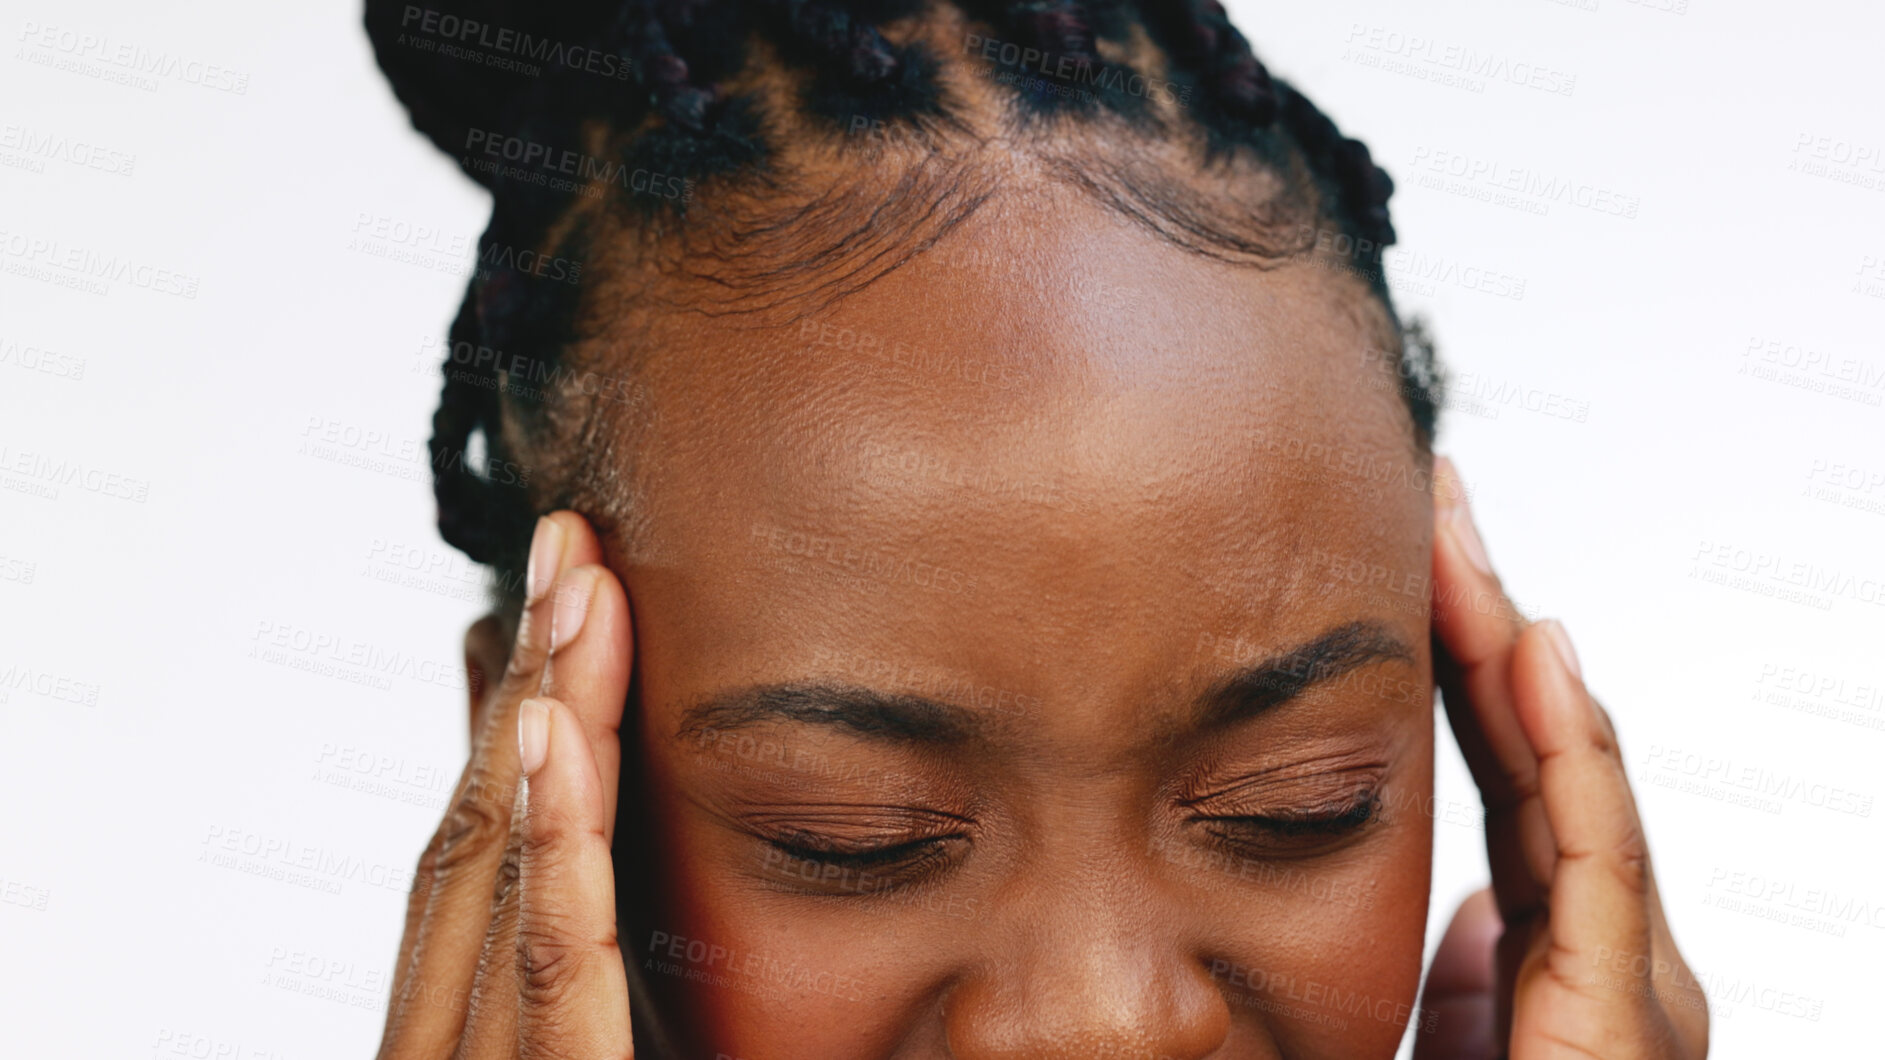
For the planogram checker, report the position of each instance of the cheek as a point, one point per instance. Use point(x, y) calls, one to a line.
point(1329, 956)
point(1321, 960)
point(1324, 955)
point(762, 976)
point(751, 973)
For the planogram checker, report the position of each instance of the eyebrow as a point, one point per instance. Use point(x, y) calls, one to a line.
point(894, 717)
point(1277, 680)
point(911, 719)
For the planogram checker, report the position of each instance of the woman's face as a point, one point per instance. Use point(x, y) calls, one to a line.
point(1032, 660)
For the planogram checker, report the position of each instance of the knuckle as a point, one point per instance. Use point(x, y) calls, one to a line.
point(1606, 730)
point(543, 856)
point(527, 652)
point(427, 870)
point(471, 828)
point(1630, 862)
point(547, 962)
point(509, 871)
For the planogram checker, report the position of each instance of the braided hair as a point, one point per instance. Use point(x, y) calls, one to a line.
point(672, 83)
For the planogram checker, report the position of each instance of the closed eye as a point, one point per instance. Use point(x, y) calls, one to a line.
point(1291, 833)
point(811, 849)
point(856, 850)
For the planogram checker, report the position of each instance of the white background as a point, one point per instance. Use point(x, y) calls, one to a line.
point(1697, 346)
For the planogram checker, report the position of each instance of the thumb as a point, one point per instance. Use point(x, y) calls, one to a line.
point(1458, 1006)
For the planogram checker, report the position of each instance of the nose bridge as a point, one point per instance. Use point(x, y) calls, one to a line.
point(1083, 968)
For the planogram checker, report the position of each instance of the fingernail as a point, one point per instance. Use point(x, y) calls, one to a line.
point(546, 553)
point(533, 734)
point(573, 593)
point(1562, 641)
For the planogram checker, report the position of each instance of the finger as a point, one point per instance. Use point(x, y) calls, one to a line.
point(1476, 627)
point(562, 540)
point(416, 902)
point(487, 648)
point(490, 1031)
point(1601, 888)
point(573, 987)
point(584, 657)
point(482, 647)
point(590, 666)
point(1461, 986)
point(592, 647)
point(431, 989)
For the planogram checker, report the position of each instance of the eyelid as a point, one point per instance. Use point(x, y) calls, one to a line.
point(823, 819)
point(1293, 838)
point(859, 874)
point(1300, 789)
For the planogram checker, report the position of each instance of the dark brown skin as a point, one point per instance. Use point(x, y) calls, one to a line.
point(1069, 552)
point(1070, 917)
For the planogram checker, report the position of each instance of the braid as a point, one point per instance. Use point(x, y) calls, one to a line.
point(1360, 188)
point(673, 115)
point(1229, 71)
point(1063, 30)
point(680, 102)
point(858, 72)
point(468, 406)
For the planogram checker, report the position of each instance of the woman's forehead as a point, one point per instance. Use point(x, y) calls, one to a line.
point(953, 459)
point(1025, 359)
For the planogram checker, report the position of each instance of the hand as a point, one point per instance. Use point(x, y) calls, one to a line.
point(510, 944)
point(1569, 955)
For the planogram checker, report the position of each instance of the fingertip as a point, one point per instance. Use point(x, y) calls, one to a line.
point(1554, 706)
point(593, 645)
point(581, 546)
point(1453, 516)
point(1472, 615)
point(564, 782)
point(547, 546)
point(1561, 644)
point(574, 594)
point(1463, 963)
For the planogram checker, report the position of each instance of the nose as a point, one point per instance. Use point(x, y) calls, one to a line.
point(1091, 983)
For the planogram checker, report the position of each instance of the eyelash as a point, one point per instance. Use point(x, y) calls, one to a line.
point(1293, 834)
point(887, 868)
point(893, 866)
